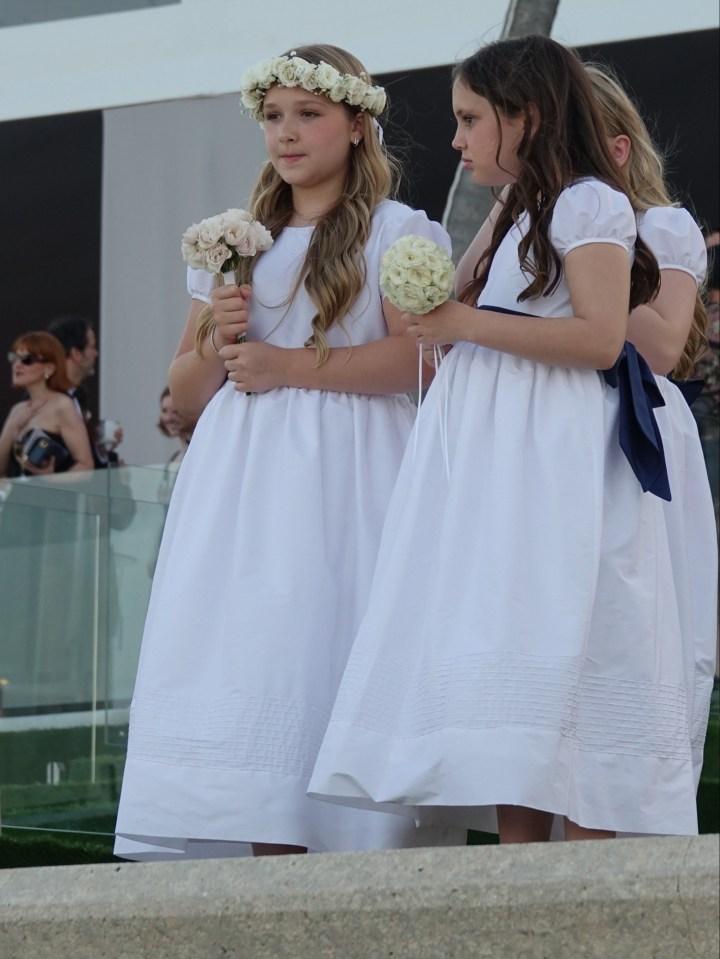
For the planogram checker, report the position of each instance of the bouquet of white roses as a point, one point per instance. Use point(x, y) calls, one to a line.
point(216, 243)
point(416, 274)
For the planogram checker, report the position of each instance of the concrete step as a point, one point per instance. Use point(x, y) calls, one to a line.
point(619, 899)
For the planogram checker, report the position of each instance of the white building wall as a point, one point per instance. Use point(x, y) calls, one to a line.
point(200, 47)
point(166, 165)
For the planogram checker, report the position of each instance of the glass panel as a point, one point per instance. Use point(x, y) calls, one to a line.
point(77, 555)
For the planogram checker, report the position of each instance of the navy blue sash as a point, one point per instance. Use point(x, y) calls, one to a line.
point(639, 434)
point(690, 389)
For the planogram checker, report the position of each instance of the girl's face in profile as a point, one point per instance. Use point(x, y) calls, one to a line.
point(479, 136)
point(308, 137)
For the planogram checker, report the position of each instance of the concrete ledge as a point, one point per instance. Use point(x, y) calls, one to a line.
point(621, 899)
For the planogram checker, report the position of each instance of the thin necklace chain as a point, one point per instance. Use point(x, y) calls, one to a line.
point(308, 219)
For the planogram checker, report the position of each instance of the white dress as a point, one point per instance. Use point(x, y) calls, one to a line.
point(521, 643)
point(262, 578)
point(678, 244)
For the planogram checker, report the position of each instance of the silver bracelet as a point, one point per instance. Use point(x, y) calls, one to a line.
point(212, 339)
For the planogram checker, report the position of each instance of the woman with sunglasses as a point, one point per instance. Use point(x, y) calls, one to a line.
point(42, 434)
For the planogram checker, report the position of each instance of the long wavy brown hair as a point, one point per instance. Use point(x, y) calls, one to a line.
point(49, 349)
point(333, 271)
point(645, 168)
point(535, 76)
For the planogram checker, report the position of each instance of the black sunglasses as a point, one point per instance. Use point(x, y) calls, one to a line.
point(27, 359)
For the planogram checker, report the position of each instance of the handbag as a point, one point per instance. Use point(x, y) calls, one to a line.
point(38, 448)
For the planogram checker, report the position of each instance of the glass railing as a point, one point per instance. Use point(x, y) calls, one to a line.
point(77, 555)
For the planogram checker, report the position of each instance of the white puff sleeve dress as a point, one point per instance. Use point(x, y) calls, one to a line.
point(522, 641)
point(262, 578)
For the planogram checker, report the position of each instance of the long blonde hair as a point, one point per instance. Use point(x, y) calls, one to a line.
point(333, 271)
point(645, 170)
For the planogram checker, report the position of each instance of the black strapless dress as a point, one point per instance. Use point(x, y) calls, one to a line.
point(54, 444)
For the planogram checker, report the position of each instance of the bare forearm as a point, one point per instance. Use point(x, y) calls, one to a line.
point(558, 341)
point(5, 451)
point(385, 367)
point(598, 281)
point(660, 329)
point(658, 341)
point(194, 379)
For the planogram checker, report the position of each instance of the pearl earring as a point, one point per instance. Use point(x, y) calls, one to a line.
point(356, 141)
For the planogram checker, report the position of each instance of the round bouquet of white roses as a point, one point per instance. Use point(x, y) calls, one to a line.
point(416, 274)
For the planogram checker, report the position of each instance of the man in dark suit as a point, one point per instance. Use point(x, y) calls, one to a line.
point(77, 335)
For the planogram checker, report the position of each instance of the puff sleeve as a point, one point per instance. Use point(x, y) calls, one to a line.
point(590, 211)
point(199, 284)
point(409, 222)
point(675, 239)
point(391, 222)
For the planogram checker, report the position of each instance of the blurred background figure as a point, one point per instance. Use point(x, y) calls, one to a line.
point(173, 425)
point(77, 335)
point(706, 407)
point(44, 433)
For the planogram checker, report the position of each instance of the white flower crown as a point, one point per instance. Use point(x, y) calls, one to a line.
point(320, 78)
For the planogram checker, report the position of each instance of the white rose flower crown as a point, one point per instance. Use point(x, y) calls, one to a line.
point(321, 78)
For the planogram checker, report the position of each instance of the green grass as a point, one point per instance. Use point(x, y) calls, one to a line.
point(708, 800)
point(22, 849)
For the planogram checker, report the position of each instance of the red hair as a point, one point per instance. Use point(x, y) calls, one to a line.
point(47, 348)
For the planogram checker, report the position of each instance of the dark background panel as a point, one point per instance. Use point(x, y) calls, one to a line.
point(674, 80)
point(50, 208)
point(676, 85)
point(419, 131)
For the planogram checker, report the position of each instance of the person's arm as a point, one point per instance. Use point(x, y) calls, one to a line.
point(7, 438)
point(598, 278)
point(466, 267)
point(660, 329)
point(195, 378)
point(385, 366)
point(16, 423)
point(74, 435)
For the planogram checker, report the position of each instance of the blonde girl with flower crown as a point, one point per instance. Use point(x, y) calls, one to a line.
point(670, 333)
point(273, 527)
point(520, 655)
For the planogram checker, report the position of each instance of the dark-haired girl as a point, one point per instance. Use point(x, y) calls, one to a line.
point(520, 655)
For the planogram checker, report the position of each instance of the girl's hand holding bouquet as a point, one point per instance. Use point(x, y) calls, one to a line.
point(216, 245)
point(417, 277)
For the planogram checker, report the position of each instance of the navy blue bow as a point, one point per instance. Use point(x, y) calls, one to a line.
point(690, 389)
point(640, 438)
point(639, 394)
